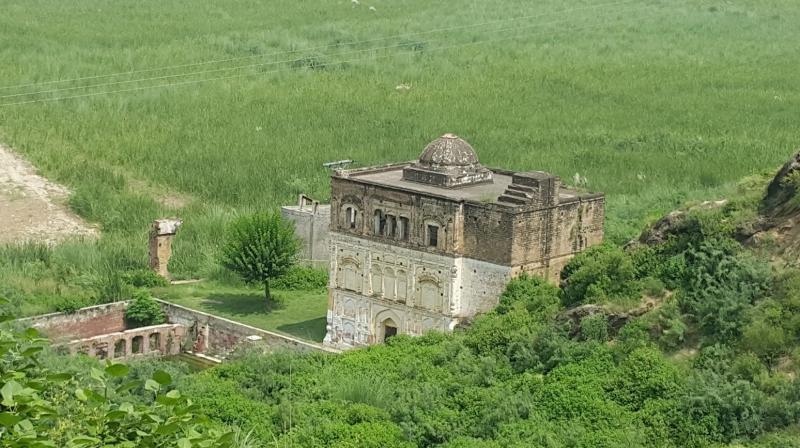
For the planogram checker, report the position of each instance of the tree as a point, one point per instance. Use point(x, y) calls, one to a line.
point(260, 248)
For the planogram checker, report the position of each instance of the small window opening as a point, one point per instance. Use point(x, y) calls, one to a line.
point(351, 217)
point(391, 226)
point(378, 222)
point(433, 235)
point(403, 230)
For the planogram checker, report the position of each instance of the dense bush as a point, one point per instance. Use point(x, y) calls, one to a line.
point(601, 274)
point(144, 278)
point(721, 285)
point(302, 278)
point(143, 310)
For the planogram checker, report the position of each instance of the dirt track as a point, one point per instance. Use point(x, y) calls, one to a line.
point(33, 208)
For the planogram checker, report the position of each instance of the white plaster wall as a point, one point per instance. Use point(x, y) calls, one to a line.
point(465, 287)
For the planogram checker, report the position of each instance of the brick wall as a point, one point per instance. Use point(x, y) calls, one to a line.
point(84, 323)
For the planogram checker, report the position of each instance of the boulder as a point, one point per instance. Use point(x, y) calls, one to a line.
point(780, 200)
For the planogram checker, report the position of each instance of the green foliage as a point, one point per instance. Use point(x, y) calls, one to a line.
point(260, 248)
point(600, 274)
point(71, 304)
point(533, 294)
point(144, 278)
point(302, 278)
point(48, 408)
point(595, 327)
point(720, 287)
point(143, 310)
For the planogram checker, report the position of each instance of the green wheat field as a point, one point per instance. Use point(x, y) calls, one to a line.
point(173, 107)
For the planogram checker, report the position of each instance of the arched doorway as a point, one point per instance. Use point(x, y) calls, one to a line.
point(388, 330)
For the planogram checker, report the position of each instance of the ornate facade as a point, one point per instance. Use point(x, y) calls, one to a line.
point(424, 245)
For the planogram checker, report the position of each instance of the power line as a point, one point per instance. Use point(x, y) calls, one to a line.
point(197, 81)
point(290, 61)
point(219, 61)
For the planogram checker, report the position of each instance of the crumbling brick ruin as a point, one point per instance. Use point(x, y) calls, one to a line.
point(161, 234)
point(423, 245)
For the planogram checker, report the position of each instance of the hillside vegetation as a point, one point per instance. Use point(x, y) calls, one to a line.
point(713, 364)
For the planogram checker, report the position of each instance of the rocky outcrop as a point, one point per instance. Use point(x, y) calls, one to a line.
point(781, 199)
point(673, 223)
point(616, 319)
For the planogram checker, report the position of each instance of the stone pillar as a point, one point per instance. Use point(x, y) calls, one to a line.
point(161, 234)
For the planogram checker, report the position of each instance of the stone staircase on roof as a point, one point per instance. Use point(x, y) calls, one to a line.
point(531, 188)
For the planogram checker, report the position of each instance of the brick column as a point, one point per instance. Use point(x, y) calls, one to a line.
point(161, 234)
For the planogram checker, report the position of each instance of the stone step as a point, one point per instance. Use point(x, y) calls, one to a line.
point(519, 194)
point(512, 200)
point(525, 188)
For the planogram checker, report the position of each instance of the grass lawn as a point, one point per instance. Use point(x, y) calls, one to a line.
point(297, 313)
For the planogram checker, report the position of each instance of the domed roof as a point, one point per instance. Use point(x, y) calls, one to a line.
point(449, 150)
point(448, 162)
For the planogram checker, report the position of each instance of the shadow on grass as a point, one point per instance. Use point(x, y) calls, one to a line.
point(241, 304)
point(312, 329)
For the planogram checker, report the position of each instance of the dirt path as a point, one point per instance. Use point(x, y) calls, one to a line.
point(33, 208)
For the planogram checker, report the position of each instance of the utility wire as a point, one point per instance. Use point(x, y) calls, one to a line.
point(219, 61)
point(197, 81)
point(290, 61)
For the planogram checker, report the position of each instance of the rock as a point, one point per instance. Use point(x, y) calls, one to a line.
point(779, 202)
point(616, 320)
point(672, 223)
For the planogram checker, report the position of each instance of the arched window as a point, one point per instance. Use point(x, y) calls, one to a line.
point(402, 228)
point(120, 348)
point(348, 277)
point(137, 345)
point(378, 223)
point(391, 226)
point(434, 234)
point(430, 295)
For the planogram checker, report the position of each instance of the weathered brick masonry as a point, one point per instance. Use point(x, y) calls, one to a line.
point(426, 244)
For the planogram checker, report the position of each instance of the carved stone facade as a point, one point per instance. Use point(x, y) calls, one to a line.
point(424, 245)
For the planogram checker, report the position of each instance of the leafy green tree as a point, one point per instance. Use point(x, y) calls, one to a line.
point(260, 248)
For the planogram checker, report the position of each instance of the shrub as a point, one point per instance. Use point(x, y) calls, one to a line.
point(653, 287)
point(595, 327)
point(144, 278)
point(601, 274)
point(721, 286)
point(534, 294)
point(302, 278)
point(143, 310)
point(71, 304)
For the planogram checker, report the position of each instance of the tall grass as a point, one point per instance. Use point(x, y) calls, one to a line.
point(653, 111)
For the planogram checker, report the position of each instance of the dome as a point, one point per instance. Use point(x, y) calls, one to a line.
point(449, 150)
point(449, 162)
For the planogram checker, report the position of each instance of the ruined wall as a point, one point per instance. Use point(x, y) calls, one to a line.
point(155, 340)
point(215, 335)
point(84, 323)
point(311, 224)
